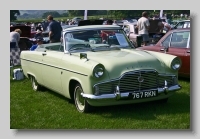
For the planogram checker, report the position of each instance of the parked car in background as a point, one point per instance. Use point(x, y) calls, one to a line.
point(182, 24)
point(77, 19)
point(175, 42)
point(124, 21)
point(96, 72)
point(68, 26)
point(131, 32)
point(134, 20)
point(130, 20)
point(119, 22)
point(173, 23)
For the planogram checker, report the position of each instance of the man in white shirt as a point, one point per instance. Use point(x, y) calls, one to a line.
point(143, 27)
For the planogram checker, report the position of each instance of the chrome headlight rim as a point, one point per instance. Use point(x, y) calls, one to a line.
point(98, 71)
point(176, 63)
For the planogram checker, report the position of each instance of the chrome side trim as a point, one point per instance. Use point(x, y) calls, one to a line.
point(118, 96)
point(53, 66)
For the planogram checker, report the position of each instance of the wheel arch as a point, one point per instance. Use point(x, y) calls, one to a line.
point(29, 75)
point(72, 85)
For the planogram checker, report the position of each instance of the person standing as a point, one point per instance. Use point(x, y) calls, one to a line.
point(38, 34)
point(114, 22)
point(39, 27)
point(143, 27)
point(15, 38)
point(55, 30)
point(164, 27)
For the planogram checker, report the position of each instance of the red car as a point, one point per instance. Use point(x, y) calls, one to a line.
point(175, 42)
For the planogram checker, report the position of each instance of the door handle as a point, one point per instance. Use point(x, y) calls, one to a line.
point(188, 51)
point(162, 49)
point(44, 54)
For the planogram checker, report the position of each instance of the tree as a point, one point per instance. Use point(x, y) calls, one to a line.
point(53, 13)
point(76, 12)
point(64, 15)
point(101, 12)
point(13, 14)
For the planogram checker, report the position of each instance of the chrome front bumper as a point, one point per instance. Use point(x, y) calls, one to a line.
point(117, 95)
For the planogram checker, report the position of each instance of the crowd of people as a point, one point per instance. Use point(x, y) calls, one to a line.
point(43, 26)
point(55, 27)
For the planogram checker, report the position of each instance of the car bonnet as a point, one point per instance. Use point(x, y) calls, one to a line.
point(120, 61)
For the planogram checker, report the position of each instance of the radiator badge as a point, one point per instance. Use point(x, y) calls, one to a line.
point(140, 79)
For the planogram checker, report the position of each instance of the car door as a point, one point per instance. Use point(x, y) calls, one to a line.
point(180, 46)
point(52, 69)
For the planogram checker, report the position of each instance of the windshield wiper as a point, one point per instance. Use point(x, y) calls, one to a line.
point(116, 47)
point(101, 46)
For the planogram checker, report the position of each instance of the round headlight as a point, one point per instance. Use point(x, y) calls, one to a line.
point(176, 64)
point(98, 71)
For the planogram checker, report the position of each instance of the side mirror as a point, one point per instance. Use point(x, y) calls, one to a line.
point(83, 55)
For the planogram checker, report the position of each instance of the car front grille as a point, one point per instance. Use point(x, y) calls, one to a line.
point(129, 82)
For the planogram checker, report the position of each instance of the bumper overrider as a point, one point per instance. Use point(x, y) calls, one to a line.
point(116, 95)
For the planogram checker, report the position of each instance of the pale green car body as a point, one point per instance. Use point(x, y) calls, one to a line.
point(61, 70)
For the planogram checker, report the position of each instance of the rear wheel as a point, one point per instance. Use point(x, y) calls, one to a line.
point(81, 103)
point(35, 85)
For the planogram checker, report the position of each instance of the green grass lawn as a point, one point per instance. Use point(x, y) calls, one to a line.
point(48, 110)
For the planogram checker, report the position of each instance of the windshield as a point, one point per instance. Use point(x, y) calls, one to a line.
point(96, 40)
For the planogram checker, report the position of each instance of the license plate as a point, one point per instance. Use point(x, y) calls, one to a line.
point(144, 94)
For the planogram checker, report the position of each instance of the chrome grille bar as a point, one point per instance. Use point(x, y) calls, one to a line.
point(128, 82)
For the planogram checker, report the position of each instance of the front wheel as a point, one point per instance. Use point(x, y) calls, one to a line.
point(81, 104)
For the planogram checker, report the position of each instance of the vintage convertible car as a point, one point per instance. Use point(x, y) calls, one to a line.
point(96, 72)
